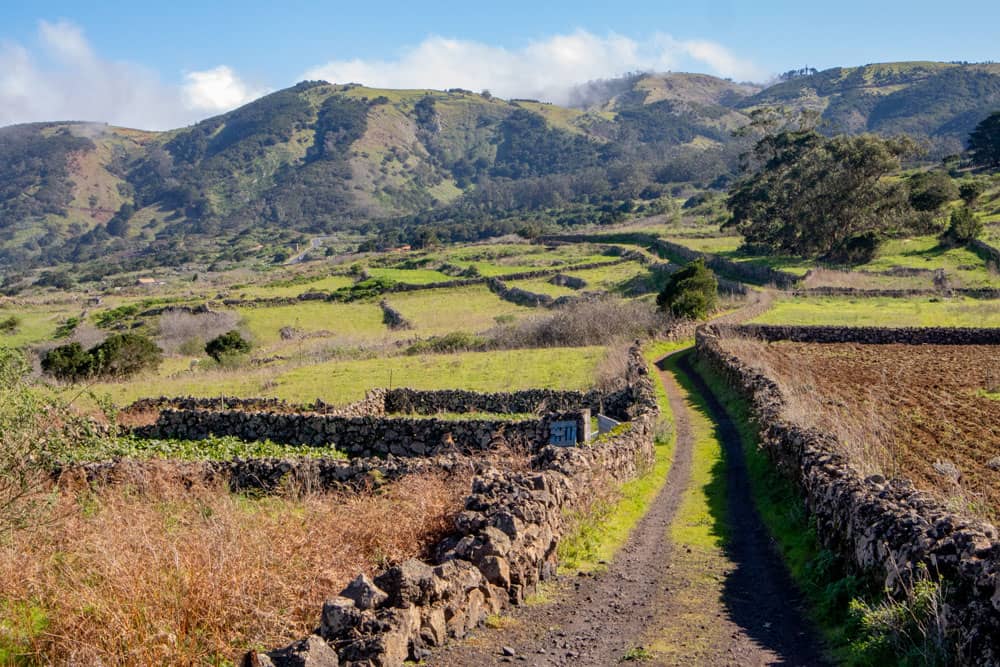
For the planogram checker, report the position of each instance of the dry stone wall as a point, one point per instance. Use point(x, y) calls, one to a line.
point(865, 335)
point(885, 529)
point(270, 474)
point(504, 543)
point(360, 436)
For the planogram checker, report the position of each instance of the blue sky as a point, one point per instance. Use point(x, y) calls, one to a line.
point(155, 66)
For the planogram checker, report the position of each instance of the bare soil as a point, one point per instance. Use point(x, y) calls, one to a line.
point(929, 413)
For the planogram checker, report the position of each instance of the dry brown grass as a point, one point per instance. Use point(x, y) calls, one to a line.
point(173, 576)
point(859, 425)
point(922, 412)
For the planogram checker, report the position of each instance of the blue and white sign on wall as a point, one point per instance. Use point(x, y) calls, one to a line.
point(563, 434)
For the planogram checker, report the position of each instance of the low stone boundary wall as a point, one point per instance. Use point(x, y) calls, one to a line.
point(373, 405)
point(741, 271)
point(270, 474)
point(572, 282)
point(403, 400)
point(866, 335)
point(392, 318)
point(971, 292)
point(986, 251)
point(361, 436)
point(615, 404)
point(885, 529)
point(504, 544)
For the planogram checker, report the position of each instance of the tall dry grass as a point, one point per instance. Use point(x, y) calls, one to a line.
point(859, 425)
point(167, 575)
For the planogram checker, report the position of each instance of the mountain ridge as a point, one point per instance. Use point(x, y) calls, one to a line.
point(322, 158)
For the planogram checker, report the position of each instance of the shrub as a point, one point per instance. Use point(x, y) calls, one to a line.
point(9, 325)
point(35, 430)
point(228, 345)
point(185, 332)
point(456, 341)
point(122, 355)
point(692, 292)
point(117, 315)
point(931, 190)
point(970, 191)
point(597, 322)
point(67, 327)
point(965, 226)
point(68, 362)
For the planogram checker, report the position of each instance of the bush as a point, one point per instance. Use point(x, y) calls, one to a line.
point(931, 190)
point(228, 345)
point(185, 332)
point(120, 355)
point(970, 191)
point(456, 341)
point(9, 325)
point(965, 226)
point(692, 292)
point(597, 322)
point(68, 362)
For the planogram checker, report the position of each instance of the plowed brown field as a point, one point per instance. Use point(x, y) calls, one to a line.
point(926, 412)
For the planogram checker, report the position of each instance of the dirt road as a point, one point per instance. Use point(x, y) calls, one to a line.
point(661, 601)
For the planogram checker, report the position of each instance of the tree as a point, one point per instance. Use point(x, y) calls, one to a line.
point(228, 345)
point(970, 191)
point(119, 356)
point(965, 226)
point(984, 142)
point(930, 190)
point(68, 362)
point(125, 354)
point(808, 195)
point(691, 292)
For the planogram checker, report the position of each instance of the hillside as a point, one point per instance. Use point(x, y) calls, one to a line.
point(319, 159)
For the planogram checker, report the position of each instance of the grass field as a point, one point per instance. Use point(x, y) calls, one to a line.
point(35, 324)
point(341, 382)
point(432, 312)
point(542, 286)
point(714, 244)
point(358, 322)
point(919, 312)
point(609, 278)
point(282, 288)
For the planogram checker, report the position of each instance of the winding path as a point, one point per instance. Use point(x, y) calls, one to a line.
point(716, 605)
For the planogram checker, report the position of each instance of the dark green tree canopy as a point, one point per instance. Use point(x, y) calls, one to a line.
point(229, 344)
point(692, 292)
point(120, 355)
point(930, 190)
point(984, 142)
point(964, 226)
point(805, 194)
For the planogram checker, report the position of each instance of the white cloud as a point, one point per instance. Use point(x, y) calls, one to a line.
point(67, 80)
point(217, 89)
point(546, 69)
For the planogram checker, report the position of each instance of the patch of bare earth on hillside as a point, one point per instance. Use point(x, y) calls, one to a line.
point(923, 412)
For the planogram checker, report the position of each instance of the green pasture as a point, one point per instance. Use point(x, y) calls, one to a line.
point(358, 322)
point(344, 381)
point(918, 312)
point(438, 311)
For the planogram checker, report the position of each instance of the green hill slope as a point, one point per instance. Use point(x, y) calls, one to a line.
point(318, 159)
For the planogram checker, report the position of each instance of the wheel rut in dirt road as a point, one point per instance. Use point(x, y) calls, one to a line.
point(741, 616)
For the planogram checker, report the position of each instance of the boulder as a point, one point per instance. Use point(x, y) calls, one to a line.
point(364, 593)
